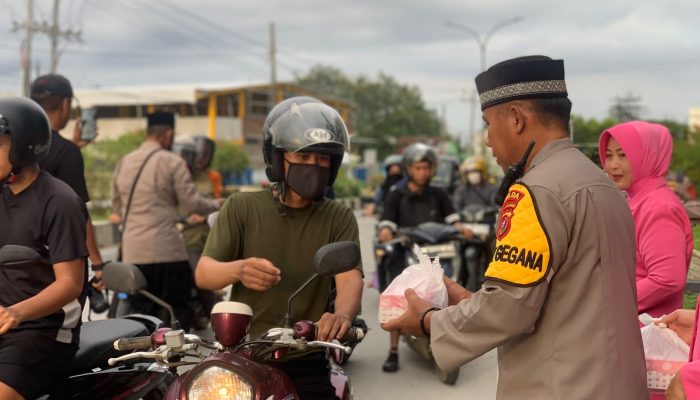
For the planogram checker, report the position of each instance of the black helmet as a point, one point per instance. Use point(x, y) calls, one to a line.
point(204, 152)
point(29, 129)
point(303, 123)
point(419, 152)
point(185, 148)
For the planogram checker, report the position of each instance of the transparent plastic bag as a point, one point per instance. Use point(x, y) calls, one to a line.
point(665, 353)
point(425, 278)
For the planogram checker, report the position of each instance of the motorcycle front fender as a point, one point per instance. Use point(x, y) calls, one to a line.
point(129, 382)
point(266, 381)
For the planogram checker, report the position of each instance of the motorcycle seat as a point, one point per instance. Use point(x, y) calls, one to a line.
point(432, 232)
point(97, 339)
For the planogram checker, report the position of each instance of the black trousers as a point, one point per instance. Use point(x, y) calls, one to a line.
point(172, 282)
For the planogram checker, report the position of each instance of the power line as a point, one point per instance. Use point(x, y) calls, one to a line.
point(176, 16)
point(209, 24)
point(188, 14)
point(199, 45)
point(166, 39)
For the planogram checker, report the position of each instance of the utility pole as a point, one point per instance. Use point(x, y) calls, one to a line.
point(27, 59)
point(54, 33)
point(273, 67)
point(54, 36)
point(469, 96)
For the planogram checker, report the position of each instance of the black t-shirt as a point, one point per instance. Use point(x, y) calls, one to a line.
point(49, 218)
point(65, 162)
point(406, 208)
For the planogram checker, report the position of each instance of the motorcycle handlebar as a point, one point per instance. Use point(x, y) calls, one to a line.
point(137, 343)
point(353, 334)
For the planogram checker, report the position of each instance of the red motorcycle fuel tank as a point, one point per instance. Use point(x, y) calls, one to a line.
point(230, 322)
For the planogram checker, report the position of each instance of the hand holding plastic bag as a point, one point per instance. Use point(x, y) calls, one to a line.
point(425, 278)
point(665, 353)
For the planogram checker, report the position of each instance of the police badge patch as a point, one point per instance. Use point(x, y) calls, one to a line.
point(522, 254)
point(507, 211)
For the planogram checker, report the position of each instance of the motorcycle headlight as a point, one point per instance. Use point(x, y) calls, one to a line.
point(216, 383)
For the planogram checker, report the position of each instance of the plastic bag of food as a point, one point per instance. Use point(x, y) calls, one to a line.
point(425, 278)
point(665, 353)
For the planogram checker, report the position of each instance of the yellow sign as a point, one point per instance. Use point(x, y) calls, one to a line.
point(522, 248)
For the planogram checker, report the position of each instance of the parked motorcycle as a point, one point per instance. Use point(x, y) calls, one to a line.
point(435, 240)
point(235, 366)
point(90, 376)
point(477, 251)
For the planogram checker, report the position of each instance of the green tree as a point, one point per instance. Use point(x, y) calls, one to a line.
point(678, 130)
point(627, 107)
point(686, 158)
point(101, 158)
point(229, 158)
point(386, 109)
point(586, 131)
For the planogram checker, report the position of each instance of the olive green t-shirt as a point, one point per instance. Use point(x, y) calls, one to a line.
point(257, 225)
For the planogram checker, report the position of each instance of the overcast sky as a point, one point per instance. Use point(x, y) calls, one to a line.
point(647, 47)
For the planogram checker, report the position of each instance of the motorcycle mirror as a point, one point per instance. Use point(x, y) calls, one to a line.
point(330, 259)
point(124, 278)
point(336, 258)
point(17, 257)
point(127, 278)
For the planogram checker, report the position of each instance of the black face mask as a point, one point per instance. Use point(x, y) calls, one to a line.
point(308, 180)
point(391, 180)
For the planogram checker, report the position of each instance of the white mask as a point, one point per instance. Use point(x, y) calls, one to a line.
point(474, 177)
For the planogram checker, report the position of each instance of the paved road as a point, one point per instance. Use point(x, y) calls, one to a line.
point(416, 377)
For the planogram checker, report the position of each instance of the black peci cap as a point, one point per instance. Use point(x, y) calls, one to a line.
point(161, 118)
point(51, 85)
point(521, 78)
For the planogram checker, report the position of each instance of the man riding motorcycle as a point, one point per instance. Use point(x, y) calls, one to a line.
point(408, 205)
point(394, 176)
point(476, 188)
point(264, 242)
point(40, 304)
point(475, 200)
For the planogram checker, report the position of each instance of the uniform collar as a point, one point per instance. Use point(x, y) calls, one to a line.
point(149, 145)
point(549, 150)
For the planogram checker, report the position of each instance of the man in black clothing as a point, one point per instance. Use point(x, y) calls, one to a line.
point(54, 94)
point(410, 204)
point(41, 303)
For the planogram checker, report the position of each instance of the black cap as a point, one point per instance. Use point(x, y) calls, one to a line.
point(51, 85)
point(521, 78)
point(161, 118)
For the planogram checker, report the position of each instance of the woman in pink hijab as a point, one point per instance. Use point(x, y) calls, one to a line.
point(636, 156)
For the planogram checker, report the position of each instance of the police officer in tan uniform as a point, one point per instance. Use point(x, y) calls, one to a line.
point(149, 185)
point(559, 297)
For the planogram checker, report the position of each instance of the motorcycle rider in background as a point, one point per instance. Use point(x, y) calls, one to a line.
point(408, 205)
point(475, 200)
point(476, 188)
point(394, 176)
point(40, 304)
point(264, 242)
point(196, 229)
